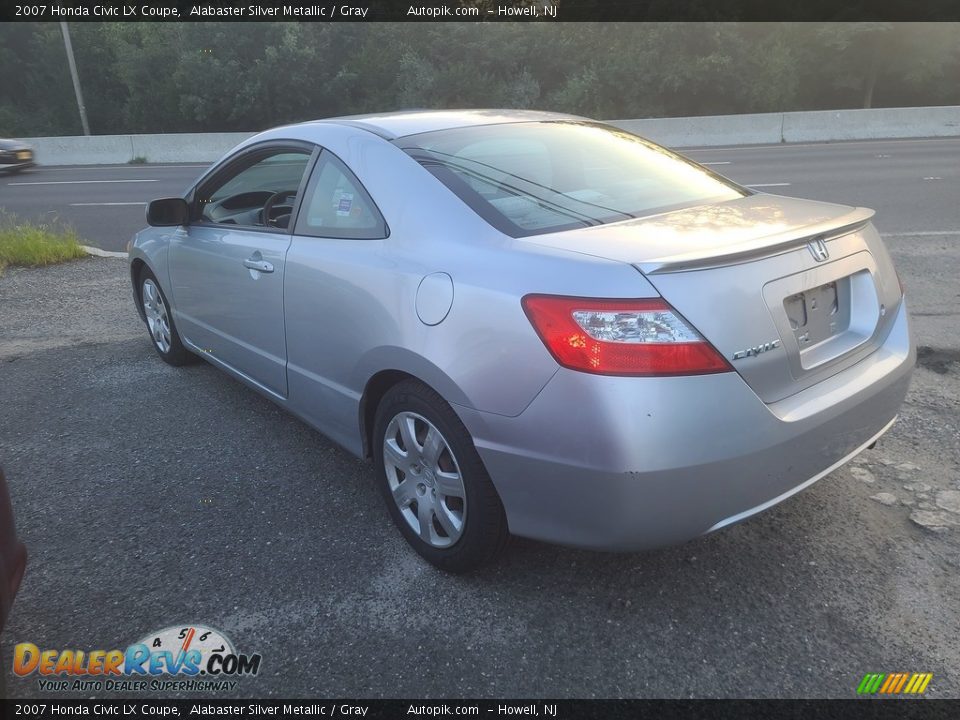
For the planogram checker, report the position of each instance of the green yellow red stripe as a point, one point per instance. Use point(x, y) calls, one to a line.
point(894, 683)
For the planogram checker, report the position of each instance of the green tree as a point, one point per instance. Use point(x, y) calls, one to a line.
point(207, 77)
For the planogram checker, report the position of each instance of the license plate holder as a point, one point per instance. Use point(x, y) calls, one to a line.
point(820, 313)
point(836, 337)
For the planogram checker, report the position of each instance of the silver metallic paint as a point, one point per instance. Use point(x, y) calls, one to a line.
point(618, 463)
point(587, 460)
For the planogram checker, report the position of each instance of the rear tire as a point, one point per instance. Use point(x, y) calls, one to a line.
point(433, 480)
point(159, 319)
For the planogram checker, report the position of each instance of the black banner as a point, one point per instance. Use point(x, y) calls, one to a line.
point(479, 10)
point(866, 709)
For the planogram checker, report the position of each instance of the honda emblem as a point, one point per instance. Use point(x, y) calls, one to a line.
point(818, 248)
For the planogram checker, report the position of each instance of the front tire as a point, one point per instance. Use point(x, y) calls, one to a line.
point(159, 319)
point(434, 482)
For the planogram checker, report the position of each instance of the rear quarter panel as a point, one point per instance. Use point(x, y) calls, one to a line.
point(350, 305)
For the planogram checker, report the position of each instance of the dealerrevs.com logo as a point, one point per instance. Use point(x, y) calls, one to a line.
point(186, 657)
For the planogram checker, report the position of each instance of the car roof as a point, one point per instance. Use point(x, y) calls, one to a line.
point(412, 122)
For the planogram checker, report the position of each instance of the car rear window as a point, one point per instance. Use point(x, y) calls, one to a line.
point(533, 178)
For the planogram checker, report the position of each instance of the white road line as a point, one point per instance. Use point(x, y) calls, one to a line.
point(921, 233)
point(787, 145)
point(102, 204)
point(78, 182)
point(768, 185)
point(68, 168)
point(725, 162)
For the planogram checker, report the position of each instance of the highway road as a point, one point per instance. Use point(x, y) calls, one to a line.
point(914, 185)
point(152, 496)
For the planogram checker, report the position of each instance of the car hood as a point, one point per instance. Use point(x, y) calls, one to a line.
point(730, 231)
point(13, 145)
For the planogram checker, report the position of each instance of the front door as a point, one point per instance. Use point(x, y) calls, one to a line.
point(227, 266)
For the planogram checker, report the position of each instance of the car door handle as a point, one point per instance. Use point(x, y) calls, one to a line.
point(261, 265)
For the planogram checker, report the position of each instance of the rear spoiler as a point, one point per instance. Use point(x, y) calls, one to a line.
point(760, 247)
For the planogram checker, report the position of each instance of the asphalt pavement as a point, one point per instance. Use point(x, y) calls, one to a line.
point(912, 184)
point(105, 203)
point(151, 496)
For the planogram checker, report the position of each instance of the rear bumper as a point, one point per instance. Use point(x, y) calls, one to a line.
point(618, 463)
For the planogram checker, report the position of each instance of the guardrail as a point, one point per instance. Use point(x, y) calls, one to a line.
point(752, 129)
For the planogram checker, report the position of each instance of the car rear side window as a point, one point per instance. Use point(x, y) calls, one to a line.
point(337, 206)
point(532, 178)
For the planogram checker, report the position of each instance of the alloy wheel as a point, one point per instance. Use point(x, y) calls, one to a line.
point(158, 321)
point(424, 479)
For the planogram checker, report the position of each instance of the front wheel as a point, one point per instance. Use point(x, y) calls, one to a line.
point(436, 487)
point(159, 318)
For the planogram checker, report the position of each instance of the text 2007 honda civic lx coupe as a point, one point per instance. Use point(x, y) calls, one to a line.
point(534, 323)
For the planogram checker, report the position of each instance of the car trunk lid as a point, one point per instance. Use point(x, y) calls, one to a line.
point(789, 291)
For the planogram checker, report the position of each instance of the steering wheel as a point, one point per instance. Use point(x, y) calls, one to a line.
point(272, 201)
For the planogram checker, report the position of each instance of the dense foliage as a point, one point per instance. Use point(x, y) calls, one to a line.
point(186, 77)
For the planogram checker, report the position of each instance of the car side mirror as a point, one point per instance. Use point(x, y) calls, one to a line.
point(167, 212)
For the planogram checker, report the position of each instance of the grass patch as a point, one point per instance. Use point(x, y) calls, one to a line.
point(30, 244)
point(138, 160)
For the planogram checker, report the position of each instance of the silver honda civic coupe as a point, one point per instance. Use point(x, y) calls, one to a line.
point(535, 324)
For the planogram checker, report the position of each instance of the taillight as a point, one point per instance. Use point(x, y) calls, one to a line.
point(621, 337)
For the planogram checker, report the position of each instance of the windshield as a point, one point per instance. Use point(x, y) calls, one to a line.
point(532, 178)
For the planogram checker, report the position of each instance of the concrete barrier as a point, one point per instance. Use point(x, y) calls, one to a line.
point(875, 124)
point(753, 129)
point(80, 150)
point(809, 126)
point(194, 147)
point(119, 149)
point(708, 130)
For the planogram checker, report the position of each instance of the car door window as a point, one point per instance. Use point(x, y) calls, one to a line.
point(337, 206)
point(260, 192)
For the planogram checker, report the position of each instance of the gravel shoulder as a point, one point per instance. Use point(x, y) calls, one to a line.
point(150, 496)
